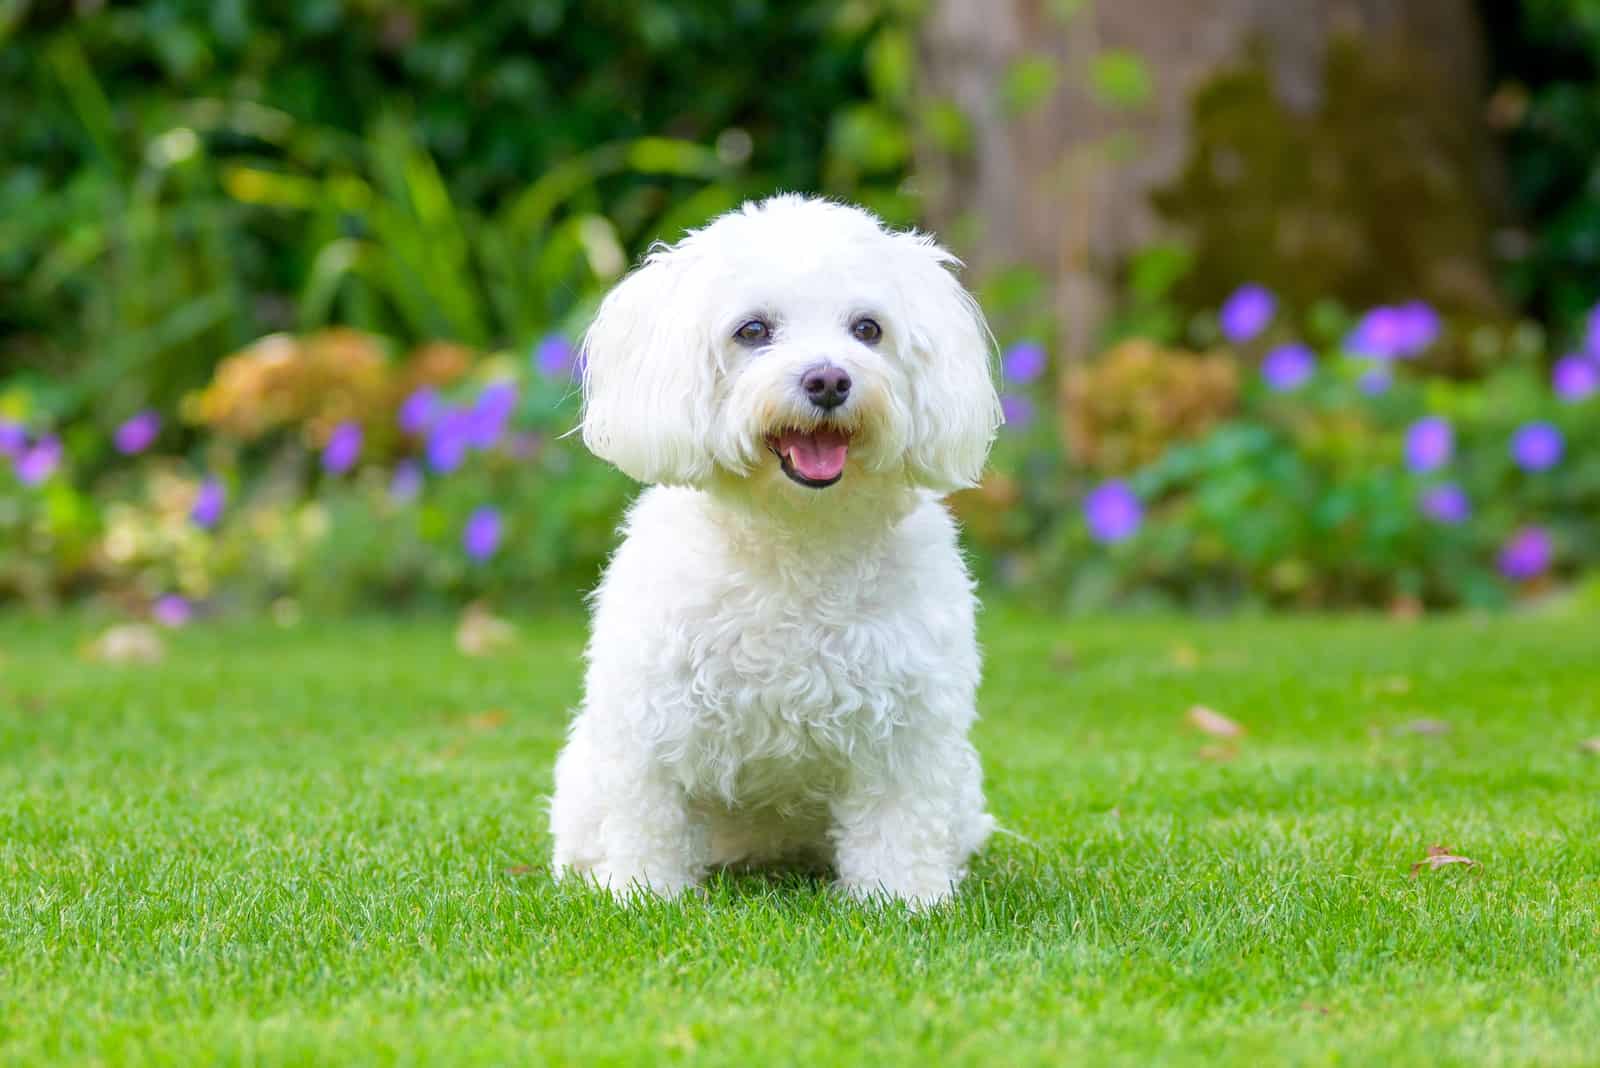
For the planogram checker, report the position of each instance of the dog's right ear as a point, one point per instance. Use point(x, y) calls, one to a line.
point(649, 375)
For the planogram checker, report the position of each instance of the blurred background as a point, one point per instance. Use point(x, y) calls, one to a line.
point(1294, 296)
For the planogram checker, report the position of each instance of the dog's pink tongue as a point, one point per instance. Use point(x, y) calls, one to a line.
point(817, 454)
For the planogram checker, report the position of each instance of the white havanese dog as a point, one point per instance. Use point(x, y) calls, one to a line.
point(783, 662)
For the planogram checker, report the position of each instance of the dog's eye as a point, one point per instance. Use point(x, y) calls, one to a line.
point(753, 332)
point(866, 331)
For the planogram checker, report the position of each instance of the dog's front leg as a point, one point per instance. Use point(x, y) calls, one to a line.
point(907, 832)
point(649, 839)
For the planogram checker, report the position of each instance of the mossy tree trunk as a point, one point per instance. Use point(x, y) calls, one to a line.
point(1072, 116)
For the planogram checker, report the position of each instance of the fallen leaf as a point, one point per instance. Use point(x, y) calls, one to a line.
point(127, 643)
point(1589, 745)
point(1406, 608)
point(491, 720)
point(481, 632)
point(1185, 656)
point(1213, 723)
point(1431, 727)
point(1439, 856)
point(1217, 752)
point(520, 869)
point(1063, 657)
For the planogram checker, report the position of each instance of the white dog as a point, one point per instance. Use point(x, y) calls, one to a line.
point(783, 661)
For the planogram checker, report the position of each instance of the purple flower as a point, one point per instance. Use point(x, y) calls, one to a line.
point(554, 356)
point(490, 413)
point(1430, 442)
point(1537, 446)
point(1446, 503)
point(207, 510)
point(406, 484)
point(481, 536)
point(448, 440)
point(13, 439)
point(1527, 555)
point(1397, 332)
point(138, 433)
point(1575, 377)
point(1024, 362)
point(171, 610)
point(1246, 313)
point(1591, 336)
point(1018, 410)
point(36, 464)
point(1112, 512)
point(1376, 381)
point(1288, 367)
point(343, 448)
point(418, 411)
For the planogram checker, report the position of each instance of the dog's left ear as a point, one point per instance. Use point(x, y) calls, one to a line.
point(649, 375)
point(955, 410)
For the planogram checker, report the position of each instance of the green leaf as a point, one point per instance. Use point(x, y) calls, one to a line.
point(1029, 82)
point(1119, 78)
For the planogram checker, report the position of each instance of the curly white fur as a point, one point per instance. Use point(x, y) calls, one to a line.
point(777, 670)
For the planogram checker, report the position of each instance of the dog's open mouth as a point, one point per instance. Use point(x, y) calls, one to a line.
point(813, 458)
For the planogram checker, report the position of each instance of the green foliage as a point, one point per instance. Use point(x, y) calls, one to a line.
point(183, 177)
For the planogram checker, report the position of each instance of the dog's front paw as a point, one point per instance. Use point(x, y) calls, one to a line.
point(631, 885)
point(917, 895)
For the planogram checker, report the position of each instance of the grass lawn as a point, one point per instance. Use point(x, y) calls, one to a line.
point(326, 844)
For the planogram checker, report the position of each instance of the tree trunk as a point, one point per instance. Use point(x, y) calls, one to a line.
point(1067, 186)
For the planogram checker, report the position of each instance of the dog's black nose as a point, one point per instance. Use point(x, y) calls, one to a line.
point(826, 385)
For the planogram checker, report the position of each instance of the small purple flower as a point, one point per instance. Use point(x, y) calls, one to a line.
point(1591, 335)
point(481, 536)
point(448, 440)
point(1246, 313)
point(343, 448)
point(1018, 411)
point(208, 504)
point(1537, 446)
point(1430, 442)
point(418, 410)
point(13, 439)
point(406, 485)
point(1575, 377)
point(1376, 381)
point(554, 356)
point(1024, 362)
point(1112, 512)
point(138, 433)
point(171, 610)
point(1446, 503)
point(1527, 555)
point(1288, 367)
point(36, 464)
point(1397, 332)
point(490, 412)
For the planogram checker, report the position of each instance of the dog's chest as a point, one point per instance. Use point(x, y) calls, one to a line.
point(787, 697)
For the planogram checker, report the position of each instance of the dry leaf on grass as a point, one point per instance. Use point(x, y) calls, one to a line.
point(1439, 856)
point(520, 869)
point(1589, 745)
point(1185, 657)
point(492, 720)
point(481, 632)
point(1217, 752)
point(1430, 727)
point(1063, 657)
point(1213, 723)
point(127, 643)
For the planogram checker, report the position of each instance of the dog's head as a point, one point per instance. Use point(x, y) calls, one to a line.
point(794, 340)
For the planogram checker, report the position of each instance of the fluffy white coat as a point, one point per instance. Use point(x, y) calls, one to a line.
point(780, 669)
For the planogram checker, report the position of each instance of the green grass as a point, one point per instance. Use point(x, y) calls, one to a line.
point(325, 845)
